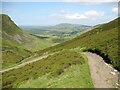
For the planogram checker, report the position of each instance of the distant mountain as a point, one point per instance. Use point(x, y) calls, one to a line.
point(68, 28)
point(64, 25)
point(63, 28)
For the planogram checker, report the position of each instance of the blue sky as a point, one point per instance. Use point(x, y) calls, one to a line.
point(52, 13)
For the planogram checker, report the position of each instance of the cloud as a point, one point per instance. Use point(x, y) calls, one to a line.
point(115, 10)
point(69, 16)
point(76, 16)
point(91, 1)
point(91, 13)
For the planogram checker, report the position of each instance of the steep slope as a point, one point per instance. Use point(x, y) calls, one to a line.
point(17, 45)
point(102, 40)
point(12, 32)
point(12, 40)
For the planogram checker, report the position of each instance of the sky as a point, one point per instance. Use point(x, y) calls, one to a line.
point(52, 13)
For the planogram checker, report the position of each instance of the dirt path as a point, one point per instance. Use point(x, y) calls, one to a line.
point(28, 62)
point(25, 63)
point(102, 74)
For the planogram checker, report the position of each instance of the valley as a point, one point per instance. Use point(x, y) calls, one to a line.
point(57, 33)
point(18, 45)
point(58, 56)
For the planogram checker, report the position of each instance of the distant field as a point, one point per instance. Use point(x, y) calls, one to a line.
point(63, 28)
point(56, 34)
point(55, 39)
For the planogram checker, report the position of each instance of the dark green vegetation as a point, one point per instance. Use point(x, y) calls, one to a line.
point(53, 66)
point(17, 45)
point(103, 38)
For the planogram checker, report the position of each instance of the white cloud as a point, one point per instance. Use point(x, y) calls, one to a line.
point(75, 16)
point(69, 16)
point(115, 10)
point(91, 1)
point(91, 13)
point(87, 15)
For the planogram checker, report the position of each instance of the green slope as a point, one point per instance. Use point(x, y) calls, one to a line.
point(102, 40)
point(77, 76)
point(51, 69)
point(12, 40)
point(16, 44)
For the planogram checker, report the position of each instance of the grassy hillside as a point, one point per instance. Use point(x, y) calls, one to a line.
point(12, 40)
point(77, 76)
point(17, 45)
point(52, 67)
point(102, 40)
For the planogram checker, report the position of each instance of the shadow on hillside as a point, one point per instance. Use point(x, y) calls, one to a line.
point(103, 55)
